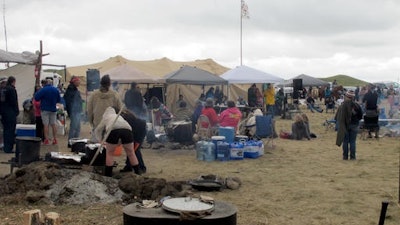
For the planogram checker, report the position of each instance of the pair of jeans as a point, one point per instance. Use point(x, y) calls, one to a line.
point(349, 142)
point(312, 108)
point(271, 110)
point(75, 125)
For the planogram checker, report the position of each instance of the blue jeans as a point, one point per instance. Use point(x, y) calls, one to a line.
point(270, 110)
point(350, 141)
point(312, 108)
point(75, 125)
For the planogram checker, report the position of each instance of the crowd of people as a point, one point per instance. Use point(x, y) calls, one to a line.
point(123, 121)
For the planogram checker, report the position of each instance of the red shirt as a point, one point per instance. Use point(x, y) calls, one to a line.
point(230, 117)
point(36, 107)
point(212, 116)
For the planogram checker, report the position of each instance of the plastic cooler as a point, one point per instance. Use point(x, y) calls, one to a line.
point(251, 149)
point(228, 133)
point(236, 151)
point(26, 130)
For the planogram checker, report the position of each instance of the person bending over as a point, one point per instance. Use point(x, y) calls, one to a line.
point(117, 129)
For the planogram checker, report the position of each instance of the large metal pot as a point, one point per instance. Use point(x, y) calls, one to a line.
point(78, 145)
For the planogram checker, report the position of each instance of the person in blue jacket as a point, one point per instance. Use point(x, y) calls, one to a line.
point(73, 101)
point(49, 96)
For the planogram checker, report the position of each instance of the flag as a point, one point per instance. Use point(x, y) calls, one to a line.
point(245, 10)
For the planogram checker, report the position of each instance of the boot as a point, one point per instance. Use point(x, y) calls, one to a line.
point(108, 171)
point(137, 170)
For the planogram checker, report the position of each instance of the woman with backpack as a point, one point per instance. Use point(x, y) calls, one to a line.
point(347, 118)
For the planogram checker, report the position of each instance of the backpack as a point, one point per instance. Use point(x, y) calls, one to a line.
point(356, 112)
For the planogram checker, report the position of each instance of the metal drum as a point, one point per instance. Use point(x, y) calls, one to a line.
point(181, 131)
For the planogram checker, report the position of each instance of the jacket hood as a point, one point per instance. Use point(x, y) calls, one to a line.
point(105, 95)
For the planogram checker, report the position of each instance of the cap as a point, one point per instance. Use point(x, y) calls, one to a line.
point(350, 94)
point(3, 79)
point(74, 78)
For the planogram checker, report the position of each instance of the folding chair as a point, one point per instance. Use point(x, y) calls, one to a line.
point(330, 124)
point(265, 129)
point(204, 129)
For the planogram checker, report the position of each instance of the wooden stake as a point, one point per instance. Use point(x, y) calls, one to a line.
point(52, 218)
point(33, 217)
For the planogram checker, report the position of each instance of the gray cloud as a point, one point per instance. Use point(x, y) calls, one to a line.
point(285, 37)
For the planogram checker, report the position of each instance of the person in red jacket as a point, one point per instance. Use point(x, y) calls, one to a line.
point(231, 116)
point(209, 111)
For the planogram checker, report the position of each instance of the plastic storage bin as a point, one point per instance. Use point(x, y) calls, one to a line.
point(26, 130)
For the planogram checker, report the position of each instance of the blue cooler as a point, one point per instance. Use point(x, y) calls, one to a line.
point(236, 151)
point(228, 133)
point(26, 130)
point(251, 149)
point(241, 138)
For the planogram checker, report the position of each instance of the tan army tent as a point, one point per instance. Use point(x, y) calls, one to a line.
point(127, 74)
point(155, 68)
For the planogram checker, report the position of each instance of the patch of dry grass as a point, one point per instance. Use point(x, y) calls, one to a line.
point(298, 182)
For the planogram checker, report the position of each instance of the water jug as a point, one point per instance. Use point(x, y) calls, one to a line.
point(223, 152)
point(200, 150)
point(209, 153)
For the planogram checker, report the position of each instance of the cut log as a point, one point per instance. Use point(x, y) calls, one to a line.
point(52, 218)
point(33, 217)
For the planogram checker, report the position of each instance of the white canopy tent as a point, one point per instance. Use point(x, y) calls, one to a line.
point(248, 75)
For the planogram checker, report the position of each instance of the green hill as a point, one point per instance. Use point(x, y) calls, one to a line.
point(345, 80)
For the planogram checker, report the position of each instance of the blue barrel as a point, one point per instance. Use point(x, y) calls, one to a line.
point(223, 151)
point(228, 133)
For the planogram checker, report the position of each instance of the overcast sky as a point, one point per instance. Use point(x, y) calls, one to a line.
point(321, 38)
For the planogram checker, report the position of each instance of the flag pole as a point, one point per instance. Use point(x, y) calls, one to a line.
point(241, 22)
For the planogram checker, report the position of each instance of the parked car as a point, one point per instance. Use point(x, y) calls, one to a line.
point(396, 86)
point(348, 88)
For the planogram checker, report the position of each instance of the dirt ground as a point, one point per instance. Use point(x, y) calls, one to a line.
point(296, 182)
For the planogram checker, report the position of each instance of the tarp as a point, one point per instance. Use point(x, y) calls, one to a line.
point(307, 81)
point(192, 75)
point(248, 75)
point(25, 81)
point(23, 58)
point(127, 74)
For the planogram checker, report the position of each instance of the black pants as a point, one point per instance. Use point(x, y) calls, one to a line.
point(39, 127)
point(9, 126)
